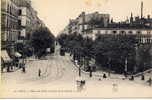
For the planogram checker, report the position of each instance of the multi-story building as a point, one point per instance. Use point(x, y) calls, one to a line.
point(86, 22)
point(27, 19)
point(19, 20)
point(143, 35)
point(93, 20)
point(28, 23)
point(9, 25)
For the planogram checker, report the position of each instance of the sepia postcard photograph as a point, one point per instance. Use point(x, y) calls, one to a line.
point(76, 49)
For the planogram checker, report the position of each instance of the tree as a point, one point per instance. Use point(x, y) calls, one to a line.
point(42, 39)
point(144, 59)
point(115, 50)
point(62, 39)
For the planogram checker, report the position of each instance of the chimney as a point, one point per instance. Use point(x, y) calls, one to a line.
point(141, 9)
point(131, 15)
point(131, 18)
point(111, 20)
point(148, 16)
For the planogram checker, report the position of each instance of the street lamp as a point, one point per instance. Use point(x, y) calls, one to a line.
point(79, 60)
point(144, 60)
point(109, 66)
point(23, 61)
point(79, 70)
point(90, 71)
point(136, 49)
point(126, 66)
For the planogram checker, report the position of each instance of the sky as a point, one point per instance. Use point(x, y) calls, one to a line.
point(57, 13)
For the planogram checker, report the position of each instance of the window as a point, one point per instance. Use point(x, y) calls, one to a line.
point(19, 35)
point(148, 32)
point(148, 40)
point(19, 22)
point(20, 12)
point(7, 8)
point(122, 32)
point(10, 10)
point(28, 36)
point(114, 32)
point(138, 32)
point(98, 32)
point(8, 22)
point(130, 32)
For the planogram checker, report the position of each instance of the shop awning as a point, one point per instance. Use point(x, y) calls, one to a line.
point(5, 56)
point(17, 54)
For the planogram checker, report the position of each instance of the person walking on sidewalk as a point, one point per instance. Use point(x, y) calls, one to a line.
point(39, 72)
point(23, 68)
point(150, 81)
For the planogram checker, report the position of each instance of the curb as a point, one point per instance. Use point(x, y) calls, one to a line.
point(101, 75)
point(96, 75)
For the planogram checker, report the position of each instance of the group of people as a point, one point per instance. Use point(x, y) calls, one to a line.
point(149, 81)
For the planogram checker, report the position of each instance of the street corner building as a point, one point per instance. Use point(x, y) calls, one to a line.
point(18, 21)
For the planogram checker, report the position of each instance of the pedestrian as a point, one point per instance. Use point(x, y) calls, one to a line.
point(125, 74)
point(150, 81)
point(115, 87)
point(90, 73)
point(23, 68)
point(109, 73)
point(142, 77)
point(39, 72)
point(11, 66)
point(104, 76)
point(132, 78)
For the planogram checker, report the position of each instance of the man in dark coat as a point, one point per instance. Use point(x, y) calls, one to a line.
point(39, 73)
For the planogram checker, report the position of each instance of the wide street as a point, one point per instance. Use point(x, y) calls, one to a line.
point(58, 77)
point(53, 68)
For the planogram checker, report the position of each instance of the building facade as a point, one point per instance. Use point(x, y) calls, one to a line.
point(144, 36)
point(28, 20)
point(9, 25)
point(19, 20)
point(86, 22)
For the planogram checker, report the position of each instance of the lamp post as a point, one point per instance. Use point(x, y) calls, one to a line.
point(90, 71)
point(23, 63)
point(136, 48)
point(109, 66)
point(126, 67)
point(79, 60)
point(79, 70)
point(144, 64)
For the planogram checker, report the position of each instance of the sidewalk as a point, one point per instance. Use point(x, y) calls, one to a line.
point(11, 71)
point(141, 73)
point(99, 74)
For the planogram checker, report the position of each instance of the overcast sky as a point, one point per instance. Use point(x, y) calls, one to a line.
point(56, 13)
